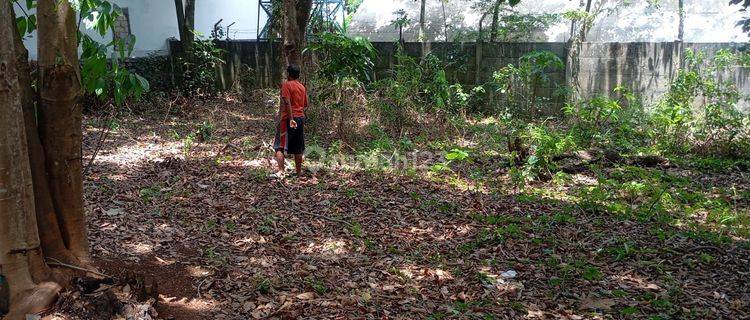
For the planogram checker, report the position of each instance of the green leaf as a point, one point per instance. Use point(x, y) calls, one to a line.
point(31, 24)
point(144, 83)
point(21, 25)
point(457, 154)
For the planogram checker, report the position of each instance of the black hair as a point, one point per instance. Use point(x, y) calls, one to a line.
point(293, 71)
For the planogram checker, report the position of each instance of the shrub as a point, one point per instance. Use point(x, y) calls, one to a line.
point(419, 95)
point(196, 72)
point(700, 113)
point(619, 123)
point(156, 69)
point(519, 85)
point(342, 57)
point(337, 107)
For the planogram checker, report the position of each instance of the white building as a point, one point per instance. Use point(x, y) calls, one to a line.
point(153, 22)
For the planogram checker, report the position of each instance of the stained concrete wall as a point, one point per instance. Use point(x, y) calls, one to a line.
point(647, 68)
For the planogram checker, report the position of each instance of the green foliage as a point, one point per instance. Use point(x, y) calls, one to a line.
point(518, 26)
point(156, 69)
point(699, 113)
point(614, 123)
point(591, 273)
point(453, 156)
point(343, 57)
point(575, 14)
point(196, 72)
point(336, 104)
point(206, 130)
point(545, 144)
point(262, 284)
point(26, 24)
point(745, 22)
point(518, 85)
point(401, 19)
point(457, 155)
point(352, 6)
point(187, 145)
point(109, 77)
point(422, 85)
point(102, 75)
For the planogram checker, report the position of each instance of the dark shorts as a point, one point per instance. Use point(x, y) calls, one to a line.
point(288, 139)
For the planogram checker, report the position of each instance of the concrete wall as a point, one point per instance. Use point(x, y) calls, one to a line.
point(646, 68)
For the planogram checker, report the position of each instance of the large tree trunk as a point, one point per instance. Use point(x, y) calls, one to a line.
point(20, 251)
point(16, 190)
point(295, 15)
point(60, 120)
point(49, 229)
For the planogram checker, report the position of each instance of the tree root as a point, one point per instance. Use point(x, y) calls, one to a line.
point(37, 300)
point(57, 263)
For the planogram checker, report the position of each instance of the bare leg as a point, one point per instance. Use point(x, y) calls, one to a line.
point(298, 163)
point(280, 160)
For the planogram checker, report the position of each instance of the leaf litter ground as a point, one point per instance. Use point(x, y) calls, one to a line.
point(225, 242)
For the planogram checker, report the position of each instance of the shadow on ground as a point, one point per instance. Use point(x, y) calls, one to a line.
point(227, 243)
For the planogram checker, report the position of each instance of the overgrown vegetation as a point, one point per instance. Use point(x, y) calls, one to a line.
point(429, 195)
point(196, 71)
point(698, 115)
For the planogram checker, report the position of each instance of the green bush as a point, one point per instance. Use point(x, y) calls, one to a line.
point(196, 71)
point(518, 85)
point(156, 69)
point(343, 57)
point(614, 123)
point(337, 107)
point(699, 113)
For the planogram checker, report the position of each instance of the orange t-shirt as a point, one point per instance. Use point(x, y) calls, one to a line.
point(297, 95)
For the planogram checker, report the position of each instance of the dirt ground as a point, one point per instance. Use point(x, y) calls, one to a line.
point(225, 242)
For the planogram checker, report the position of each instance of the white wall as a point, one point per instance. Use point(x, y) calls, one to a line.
point(243, 12)
point(154, 21)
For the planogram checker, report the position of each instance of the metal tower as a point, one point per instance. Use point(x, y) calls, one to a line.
point(324, 15)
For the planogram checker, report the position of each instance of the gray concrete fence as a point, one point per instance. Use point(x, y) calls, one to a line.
point(646, 68)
